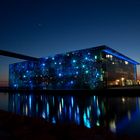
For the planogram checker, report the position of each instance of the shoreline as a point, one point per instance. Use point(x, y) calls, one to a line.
point(101, 92)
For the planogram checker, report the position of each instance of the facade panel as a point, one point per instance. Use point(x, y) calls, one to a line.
point(83, 69)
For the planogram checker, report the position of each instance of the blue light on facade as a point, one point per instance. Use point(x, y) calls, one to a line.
point(74, 70)
point(120, 56)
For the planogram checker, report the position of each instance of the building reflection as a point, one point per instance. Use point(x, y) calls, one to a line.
point(88, 111)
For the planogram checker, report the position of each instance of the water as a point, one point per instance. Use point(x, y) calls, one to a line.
point(119, 114)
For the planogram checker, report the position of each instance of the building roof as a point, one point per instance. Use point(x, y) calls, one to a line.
point(115, 53)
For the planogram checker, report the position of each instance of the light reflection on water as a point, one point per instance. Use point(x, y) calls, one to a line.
point(113, 112)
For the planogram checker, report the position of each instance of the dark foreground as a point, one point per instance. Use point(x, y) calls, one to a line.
point(20, 127)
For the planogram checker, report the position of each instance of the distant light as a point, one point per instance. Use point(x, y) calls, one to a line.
point(77, 109)
point(126, 63)
point(59, 63)
point(60, 74)
point(122, 78)
point(43, 64)
point(95, 57)
point(74, 61)
point(53, 120)
point(52, 58)
point(43, 115)
point(112, 126)
point(77, 72)
point(62, 101)
point(86, 58)
point(98, 111)
point(97, 123)
point(72, 102)
point(123, 100)
point(24, 76)
point(55, 63)
point(97, 74)
point(87, 71)
point(83, 66)
point(15, 85)
point(71, 82)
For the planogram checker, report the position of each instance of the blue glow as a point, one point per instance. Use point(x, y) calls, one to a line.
point(74, 61)
point(86, 58)
point(37, 108)
point(71, 82)
point(30, 101)
point(95, 57)
point(43, 64)
point(15, 85)
point(87, 71)
point(88, 112)
point(83, 66)
point(53, 120)
point(94, 98)
point(77, 72)
point(70, 112)
point(43, 115)
point(86, 121)
point(98, 112)
point(120, 56)
point(77, 109)
point(60, 74)
point(72, 101)
point(53, 101)
point(47, 109)
point(62, 101)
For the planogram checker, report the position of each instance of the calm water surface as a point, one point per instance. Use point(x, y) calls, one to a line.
point(119, 114)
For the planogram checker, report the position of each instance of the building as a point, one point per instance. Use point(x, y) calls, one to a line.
point(92, 68)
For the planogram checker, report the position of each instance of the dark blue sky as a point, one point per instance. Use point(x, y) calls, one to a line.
point(46, 27)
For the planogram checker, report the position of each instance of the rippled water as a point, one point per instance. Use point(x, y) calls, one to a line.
point(119, 114)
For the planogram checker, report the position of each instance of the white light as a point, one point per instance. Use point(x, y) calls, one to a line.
point(122, 78)
point(95, 57)
point(126, 62)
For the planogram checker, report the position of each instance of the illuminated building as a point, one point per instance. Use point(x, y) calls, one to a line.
point(91, 68)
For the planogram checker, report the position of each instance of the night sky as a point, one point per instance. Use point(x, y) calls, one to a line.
point(46, 27)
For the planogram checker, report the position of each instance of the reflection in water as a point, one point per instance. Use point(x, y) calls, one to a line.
point(89, 111)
